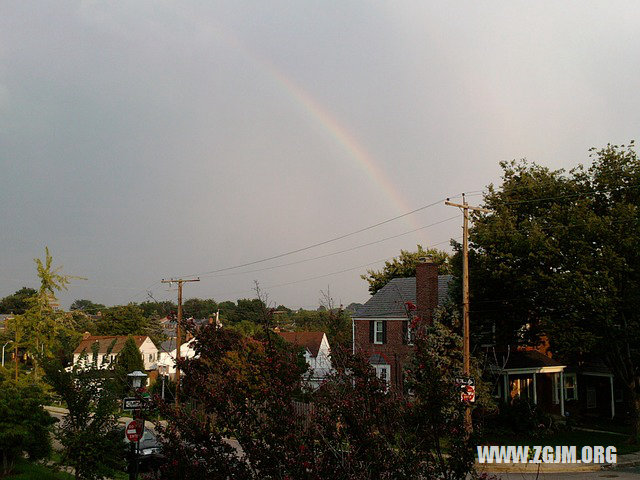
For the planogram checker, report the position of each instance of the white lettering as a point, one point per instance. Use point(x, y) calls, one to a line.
point(587, 454)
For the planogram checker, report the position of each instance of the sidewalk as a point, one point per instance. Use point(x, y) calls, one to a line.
point(624, 461)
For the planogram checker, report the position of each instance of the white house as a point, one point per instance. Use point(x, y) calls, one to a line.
point(169, 353)
point(317, 353)
point(107, 348)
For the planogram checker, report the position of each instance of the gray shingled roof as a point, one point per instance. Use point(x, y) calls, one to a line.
point(388, 302)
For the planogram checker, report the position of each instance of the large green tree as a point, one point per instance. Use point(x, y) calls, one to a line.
point(24, 424)
point(87, 306)
point(404, 265)
point(17, 302)
point(199, 308)
point(558, 255)
point(90, 435)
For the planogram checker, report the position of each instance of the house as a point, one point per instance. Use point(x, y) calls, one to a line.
point(169, 353)
point(556, 387)
point(381, 329)
point(317, 353)
point(108, 347)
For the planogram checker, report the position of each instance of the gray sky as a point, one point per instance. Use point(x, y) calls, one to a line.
point(141, 140)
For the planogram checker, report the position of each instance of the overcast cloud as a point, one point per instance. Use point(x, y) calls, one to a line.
point(142, 140)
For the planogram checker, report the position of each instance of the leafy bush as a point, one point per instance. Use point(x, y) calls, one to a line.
point(24, 424)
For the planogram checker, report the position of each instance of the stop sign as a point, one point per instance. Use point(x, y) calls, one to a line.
point(133, 431)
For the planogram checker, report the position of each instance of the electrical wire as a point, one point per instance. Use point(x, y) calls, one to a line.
point(309, 247)
point(338, 252)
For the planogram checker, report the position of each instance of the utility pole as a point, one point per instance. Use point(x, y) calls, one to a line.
point(179, 281)
point(465, 293)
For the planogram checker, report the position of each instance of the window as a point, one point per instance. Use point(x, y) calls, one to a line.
point(383, 372)
point(151, 357)
point(556, 388)
point(619, 395)
point(570, 387)
point(378, 331)
point(407, 334)
point(521, 387)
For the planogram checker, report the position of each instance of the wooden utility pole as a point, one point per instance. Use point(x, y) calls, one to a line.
point(179, 281)
point(465, 292)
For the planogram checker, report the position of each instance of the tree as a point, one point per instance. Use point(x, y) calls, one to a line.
point(87, 306)
point(129, 320)
point(355, 427)
point(24, 424)
point(158, 310)
point(90, 434)
point(405, 266)
point(130, 358)
point(40, 326)
point(337, 322)
point(558, 257)
point(17, 303)
point(437, 414)
point(199, 308)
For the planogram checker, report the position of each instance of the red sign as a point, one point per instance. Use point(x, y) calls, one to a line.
point(468, 393)
point(133, 431)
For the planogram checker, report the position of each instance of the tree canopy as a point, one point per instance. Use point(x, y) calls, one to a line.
point(17, 302)
point(558, 255)
point(87, 306)
point(404, 265)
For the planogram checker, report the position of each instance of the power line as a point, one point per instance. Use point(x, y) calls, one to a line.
point(328, 274)
point(308, 247)
point(338, 252)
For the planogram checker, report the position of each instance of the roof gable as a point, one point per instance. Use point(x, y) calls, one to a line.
point(389, 301)
point(309, 340)
point(104, 342)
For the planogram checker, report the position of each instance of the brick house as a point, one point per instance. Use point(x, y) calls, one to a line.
point(381, 326)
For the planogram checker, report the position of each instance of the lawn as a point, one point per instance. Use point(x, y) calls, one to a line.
point(25, 470)
point(574, 437)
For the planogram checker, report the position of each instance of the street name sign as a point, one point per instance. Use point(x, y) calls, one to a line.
point(133, 403)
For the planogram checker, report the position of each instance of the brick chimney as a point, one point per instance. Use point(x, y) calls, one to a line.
point(426, 288)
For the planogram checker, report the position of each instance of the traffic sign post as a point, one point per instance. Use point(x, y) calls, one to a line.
point(134, 432)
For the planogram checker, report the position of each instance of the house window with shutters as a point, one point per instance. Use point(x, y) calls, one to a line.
point(377, 332)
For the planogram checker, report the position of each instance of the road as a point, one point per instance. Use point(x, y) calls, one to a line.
point(626, 474)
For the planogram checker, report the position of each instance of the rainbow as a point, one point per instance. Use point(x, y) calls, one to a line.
point(328, 122)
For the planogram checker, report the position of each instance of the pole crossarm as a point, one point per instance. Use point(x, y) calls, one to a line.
point(468, 207)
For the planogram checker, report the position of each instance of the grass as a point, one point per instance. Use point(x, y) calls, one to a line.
point(25, 470)
point(575, 437)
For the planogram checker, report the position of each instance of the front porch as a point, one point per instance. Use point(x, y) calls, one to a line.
point(553, 386)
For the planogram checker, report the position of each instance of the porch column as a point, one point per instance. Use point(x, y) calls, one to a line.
point(613, 398)
point(535, 390)
point(562, 393)
point(506, 387)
